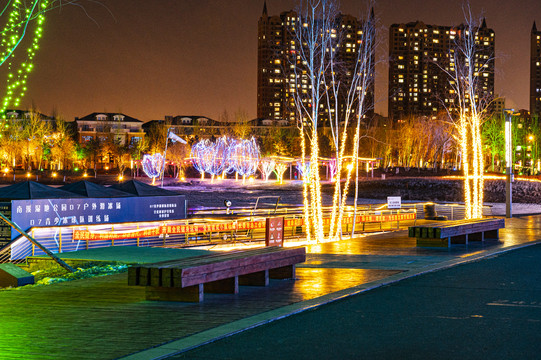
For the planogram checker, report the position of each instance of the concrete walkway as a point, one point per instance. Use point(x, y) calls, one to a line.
point(489, 309)
point(383, 252)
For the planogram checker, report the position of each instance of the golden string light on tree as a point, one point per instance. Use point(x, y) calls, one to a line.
point(279, 170)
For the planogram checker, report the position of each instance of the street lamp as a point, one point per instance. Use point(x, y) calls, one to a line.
point(508, 113)
point(532, 153)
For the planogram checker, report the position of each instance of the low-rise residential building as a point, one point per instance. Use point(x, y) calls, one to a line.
point(101, 126)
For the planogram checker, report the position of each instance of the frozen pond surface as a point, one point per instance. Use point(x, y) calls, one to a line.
point(205, 193)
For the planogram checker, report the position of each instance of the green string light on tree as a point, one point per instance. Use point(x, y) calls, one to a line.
point(25, 17)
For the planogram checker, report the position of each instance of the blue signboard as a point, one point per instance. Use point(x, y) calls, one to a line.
point(95, 211)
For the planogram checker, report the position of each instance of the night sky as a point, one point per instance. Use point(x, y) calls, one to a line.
point(149, 59)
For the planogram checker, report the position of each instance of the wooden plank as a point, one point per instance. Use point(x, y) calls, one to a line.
point(241, 261)
point(284, 272)
point(260, 278)
point(144, 276)
point(216, 258)
point(466, 229)
point(224, 286)
point(208, 259)
point(492, 234)
point(237, 271)
point(155, 277)
point(424, 242)
point(219, 267)
point(167, 277)
point(188, 294)
point(133, 276)
point(456, 228)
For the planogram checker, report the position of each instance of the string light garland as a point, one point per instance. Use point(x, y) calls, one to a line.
point(304, 170)
point(244, 157)
point(279, 170)
point(267, 167)
point(20, 16)
point(226, 156)
point(201, 155)
point(153, 165)
point(333, 169)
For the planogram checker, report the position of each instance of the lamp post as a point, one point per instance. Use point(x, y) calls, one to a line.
point(508, 113)
point(531, 150)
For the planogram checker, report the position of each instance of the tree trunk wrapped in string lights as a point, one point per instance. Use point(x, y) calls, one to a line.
point(267, 167)
point(279, 170)
point(469, 63)
point(313, 30)
point(330, 89)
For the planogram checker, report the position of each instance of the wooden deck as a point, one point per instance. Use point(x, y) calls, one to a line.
point(104, 318)
point(443, 234)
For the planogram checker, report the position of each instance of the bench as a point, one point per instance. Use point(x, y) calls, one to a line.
point(445, 233)
point(188, 279)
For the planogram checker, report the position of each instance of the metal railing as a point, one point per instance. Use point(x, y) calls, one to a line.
point(242, 228)
point(61, 239)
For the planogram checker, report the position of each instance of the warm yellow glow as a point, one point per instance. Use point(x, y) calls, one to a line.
point(6, 170)
point(28, 175)
point(107, 168)
point(85, 175)
point(54, 174)
point(279, 170)
point(493, 177)
point(306, 201)
point(350, 166)
point(120, 177)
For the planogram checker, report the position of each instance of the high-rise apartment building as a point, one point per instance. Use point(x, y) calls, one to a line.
point(419, 54)
point(278, 50)
point(535, 71)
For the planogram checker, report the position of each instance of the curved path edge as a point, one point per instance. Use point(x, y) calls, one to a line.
point(191, 342)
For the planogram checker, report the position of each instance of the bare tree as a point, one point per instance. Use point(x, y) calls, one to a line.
point(469, 62)
point(62, 144)
point(349, 99)
point(332, 85)
point(313, 37)
point(34, 130)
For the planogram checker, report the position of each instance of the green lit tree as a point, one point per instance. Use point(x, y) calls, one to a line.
point(21, 24)
point(493, 133)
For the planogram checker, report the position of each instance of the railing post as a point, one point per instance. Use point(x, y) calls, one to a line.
point(33, 246)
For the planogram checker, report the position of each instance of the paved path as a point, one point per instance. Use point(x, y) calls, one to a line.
point(490, 309)
point(103, 318)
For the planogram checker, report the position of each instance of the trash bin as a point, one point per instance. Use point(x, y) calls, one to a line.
point(429, 211)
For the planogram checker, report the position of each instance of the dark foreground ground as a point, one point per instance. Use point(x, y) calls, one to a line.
point(490, 309)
